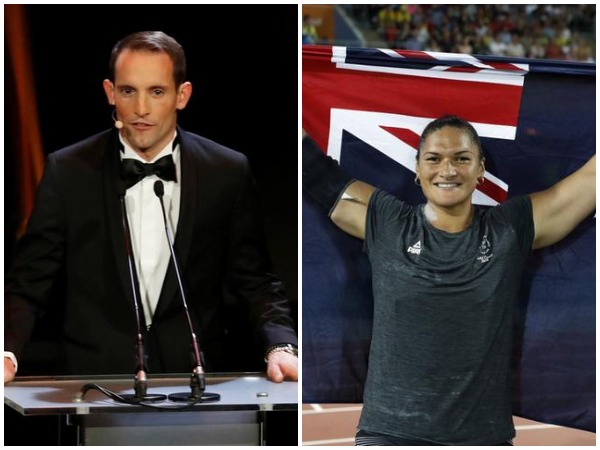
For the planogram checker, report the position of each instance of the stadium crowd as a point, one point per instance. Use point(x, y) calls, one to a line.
point(564, 32)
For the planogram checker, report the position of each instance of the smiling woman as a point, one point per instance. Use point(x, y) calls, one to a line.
point(449, 166)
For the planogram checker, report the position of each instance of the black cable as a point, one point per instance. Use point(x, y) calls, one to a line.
point(79, 397)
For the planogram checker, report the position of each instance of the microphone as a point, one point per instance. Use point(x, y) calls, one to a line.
point(197, 379)
point(140, 383)
point(118, 123)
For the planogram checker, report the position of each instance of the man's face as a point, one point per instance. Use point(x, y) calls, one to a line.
point(146, 99)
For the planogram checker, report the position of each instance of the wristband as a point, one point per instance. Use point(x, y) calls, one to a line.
point(322, 177)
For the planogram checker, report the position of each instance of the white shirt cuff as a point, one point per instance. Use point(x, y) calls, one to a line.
point(13, 358)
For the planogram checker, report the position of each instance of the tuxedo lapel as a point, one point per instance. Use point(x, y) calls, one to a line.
point(188, 208)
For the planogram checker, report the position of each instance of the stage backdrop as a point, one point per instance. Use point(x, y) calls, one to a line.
point(367, 108)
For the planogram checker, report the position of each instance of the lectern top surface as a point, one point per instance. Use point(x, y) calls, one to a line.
point(56, 395)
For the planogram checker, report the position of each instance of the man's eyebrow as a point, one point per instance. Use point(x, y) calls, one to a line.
point(157, 86)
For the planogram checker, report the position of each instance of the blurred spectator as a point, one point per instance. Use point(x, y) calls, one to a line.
point(537, 49)
point(412, 42)
point(532, 31)
point(554, 51)
point(515, 47)
point(309, 30)
point(392, 23)
point(497, 45)
point(464, 46)
point(387, 27)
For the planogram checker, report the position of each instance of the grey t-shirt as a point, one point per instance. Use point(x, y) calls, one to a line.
point(440, 359)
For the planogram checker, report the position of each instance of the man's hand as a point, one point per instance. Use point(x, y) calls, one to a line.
point(282, 366)
point(9, 370)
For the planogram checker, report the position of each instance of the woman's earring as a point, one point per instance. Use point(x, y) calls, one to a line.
point(480, 181)
point(417, 181)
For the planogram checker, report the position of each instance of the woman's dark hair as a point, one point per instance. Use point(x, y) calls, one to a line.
point(153, 42)
point(451, 121)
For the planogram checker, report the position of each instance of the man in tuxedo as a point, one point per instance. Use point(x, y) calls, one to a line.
point(97, 200)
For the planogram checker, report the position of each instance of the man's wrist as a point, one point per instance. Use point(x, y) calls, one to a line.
point(288, 348)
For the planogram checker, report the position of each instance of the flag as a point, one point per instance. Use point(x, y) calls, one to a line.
point(536, 119)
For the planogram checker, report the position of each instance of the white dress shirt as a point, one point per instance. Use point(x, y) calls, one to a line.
point(148, 236)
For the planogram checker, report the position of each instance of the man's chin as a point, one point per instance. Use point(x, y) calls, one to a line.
point(139, 143)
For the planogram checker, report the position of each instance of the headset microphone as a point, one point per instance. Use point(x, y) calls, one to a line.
point(118, 123)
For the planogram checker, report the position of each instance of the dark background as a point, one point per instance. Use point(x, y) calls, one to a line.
point(243, 65)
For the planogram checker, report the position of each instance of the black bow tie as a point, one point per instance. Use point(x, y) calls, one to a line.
point(133, 171)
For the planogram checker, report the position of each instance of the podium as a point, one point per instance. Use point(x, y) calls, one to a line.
point(241, 417)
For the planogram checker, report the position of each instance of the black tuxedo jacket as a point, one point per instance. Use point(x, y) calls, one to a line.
point(76, 225)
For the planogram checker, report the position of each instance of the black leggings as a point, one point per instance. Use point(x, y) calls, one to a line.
point(367, 438)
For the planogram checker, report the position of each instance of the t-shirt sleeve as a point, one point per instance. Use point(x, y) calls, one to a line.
point(518, 213)
point(383, 211)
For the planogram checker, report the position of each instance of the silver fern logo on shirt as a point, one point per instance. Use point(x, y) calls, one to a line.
point(484, 251)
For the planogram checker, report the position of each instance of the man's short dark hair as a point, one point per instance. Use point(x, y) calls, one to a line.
point(153, 42)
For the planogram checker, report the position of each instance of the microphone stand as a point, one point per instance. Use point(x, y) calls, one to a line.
point(140, 383)
point(197, 379)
